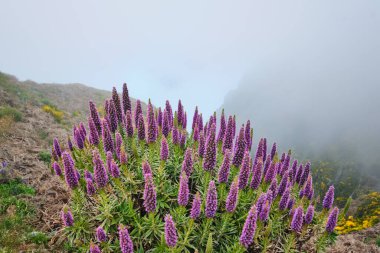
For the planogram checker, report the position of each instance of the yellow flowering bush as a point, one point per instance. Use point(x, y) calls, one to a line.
point(53, 111)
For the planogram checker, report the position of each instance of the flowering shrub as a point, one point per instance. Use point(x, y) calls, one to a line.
point(142, 183)
point(53, 111)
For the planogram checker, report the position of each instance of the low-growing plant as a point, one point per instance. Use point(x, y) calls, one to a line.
point(144, 184)
point(7, 111)
point(54, 111)
point(44, 156)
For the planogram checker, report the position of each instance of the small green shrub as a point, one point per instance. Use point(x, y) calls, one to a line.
point(10, 112)
point(44, 156)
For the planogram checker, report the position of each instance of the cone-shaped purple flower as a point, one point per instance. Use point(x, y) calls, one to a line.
point(224, 170)
point(70, 172)
point(284, 199)
point(210, 157)
point(123, 157)
point(94, 248)
point(290, 204)
point(57, 169)
point(95, 117)
point(138, 111)
point(107, 139)
point(264, 214)
point(308, 189)
point(90, 187)
point(260, 202)
point(183, 191)
point(116, 102)
point(100, 173)
point(259, 151)
point(244, 171)
point(78, 139)
point(264, 149)
point(87, 175)
point(146, 168)
point(332, 220)
point(240, 147)
point(187, 164)
point(232, 198)
point(126, 100)
point(257, 175)
point(328, 200)
point(159, 117)
point(109, 158)
point(273, 187)
point(94, 136)
point(152, 126)
point(57, 147)
point(170, 231)
point(175, 136)
point(106, 106)
point(222, 129)
point(67, 217)
point(271, 173)
point(112, 115)
point(184, 120)
point(69, 143)
point(249, 228)
point(273, 151)
point(165, 124)
point(128, 123)
point(118, 144)
point(305, 174)
point(169, 110)
point(211, 200)
point(293, 171)
point(141, 127)
point(283, 183)
point(115, 171)
point(195, 118)
point(126, 244)
point(201, 146)
point(196, 207)
point(180, 113)
point(182, 139)
point(247, 135)
point(299, 173)
point(200, 122)
point(164, 151)
point(196, 133)
point(229, 135)
point(297, 220)
point(149, 194)
point(101, 234)
point(309, 214)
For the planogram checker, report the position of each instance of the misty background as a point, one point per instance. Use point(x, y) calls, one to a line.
point(307, 73)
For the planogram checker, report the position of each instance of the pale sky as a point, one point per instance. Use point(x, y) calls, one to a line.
point(193, 50)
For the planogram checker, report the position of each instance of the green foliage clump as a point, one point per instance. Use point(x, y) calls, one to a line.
point(44, 156)
point(7, 111)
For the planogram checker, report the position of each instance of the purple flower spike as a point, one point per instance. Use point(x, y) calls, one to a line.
point(293, 171)
point(115, 171)
point(69, 144)
point(118, 144)
point(168, 108)
point(57, 147)
point(164, 151)
point(170, 231)
point(123, 157)
point(57, 169)
point(95, 117)
point(309, 214)
point(149, 194)
point(183, 192)
point(107, 139)
point(94, 248)
point(290, 204)
point(283, 183)
point(232, 197)
point(159, 117)
point(109, 158)
point(229, 135)
point(247, 135)
point(138, 111)
point(264, 149)
point(196, 133)
point(112, 117)
point(273, 187)
point(128, 123)
point(90, 187)
point(249, 228)
point(141, 127)
point(180, 112)
point(328, 200)
point(332, 220)
point(165, 124)
point(152, 125)
point(305, 174)
point(222, 129)
point(87, 175)
point(273, 151)
point(182, 139)
point(211, 200)
point(70, 172)
point(264, 214)
point(297, 220)
point(244, 171)
point(78, 139)
point(271, 173)
point(224, 170)
point(201, 147)
point(308, 189)
point(196, 207)
point(260, 202)
point(146, 168)
point(195, 118)
point(299, 173)
point(240, 146)
point(100, 173)
point(116, 102)
point(200, 122)
point(175, 136)
point(210, 157)
point(101, 234)
point(126, 100)
point(187, 164)
point(94, 136)
point(257, 175)
point(67, 217)
point(284, 199)
point(126, 244)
